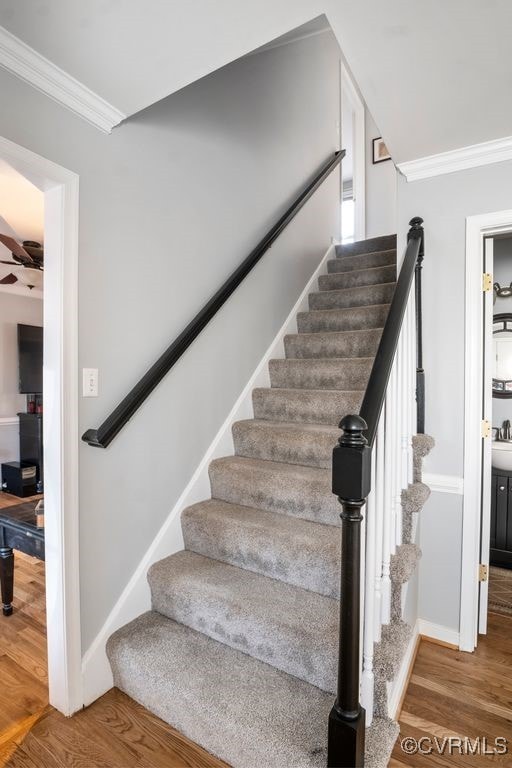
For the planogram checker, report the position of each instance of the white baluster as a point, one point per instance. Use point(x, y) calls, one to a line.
point(380, 502)
point(367, 678)
point(388, 527)
point(413, 380)
point(404, 354)
point(397, 455)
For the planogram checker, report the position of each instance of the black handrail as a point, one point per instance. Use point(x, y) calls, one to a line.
point(113, 424)
point(375, 394)
point(351, 482)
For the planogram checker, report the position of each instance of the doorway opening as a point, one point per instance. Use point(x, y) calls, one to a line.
point(22, 572)
point(486, 566)
point(499, 249)
point(55, 446)
point(353, 165)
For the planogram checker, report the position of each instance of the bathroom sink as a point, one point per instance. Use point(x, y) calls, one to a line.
point(502, 455)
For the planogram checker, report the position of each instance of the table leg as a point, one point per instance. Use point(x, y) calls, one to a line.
point(7, 578)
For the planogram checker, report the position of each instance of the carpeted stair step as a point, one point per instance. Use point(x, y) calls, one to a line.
point(290, 628)
point(357, 278)
point(352, 319)
point(288, 489)
point(321, 373)
point(391, 650)
point(244, 711)
point(247, 713)
point(322, 406)
point(404, 562)
point(380, 741)
point(364, 261)
point(344, 344)
point(290, 442)
point(382, 243)
point(352, 297)
point(295, 551)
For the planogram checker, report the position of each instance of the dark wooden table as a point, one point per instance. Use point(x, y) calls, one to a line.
point(18, 530)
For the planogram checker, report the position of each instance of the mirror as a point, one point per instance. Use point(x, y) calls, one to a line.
point(502, 355)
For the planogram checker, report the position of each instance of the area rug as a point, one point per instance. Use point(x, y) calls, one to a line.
point(500, 591)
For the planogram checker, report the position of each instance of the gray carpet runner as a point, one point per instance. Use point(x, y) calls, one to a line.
point(239, 650)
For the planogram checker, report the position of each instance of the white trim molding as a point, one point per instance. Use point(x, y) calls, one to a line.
point(398, 687)
point(61, 434)
point(9, 421)
point(461, 159)
point(24, 62)
point(477, 227)
point(135, 598)
point(444, 483)
point(438, 632)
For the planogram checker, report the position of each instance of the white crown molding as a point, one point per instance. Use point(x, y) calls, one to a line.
point(489, 152)
point(444, 483)
point(38, 71)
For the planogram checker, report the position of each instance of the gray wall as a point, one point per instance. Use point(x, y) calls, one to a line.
point(445, 202)
point(169, 204)
point(502, 274)
point(381, 181)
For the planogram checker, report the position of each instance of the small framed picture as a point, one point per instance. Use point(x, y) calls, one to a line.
point(380, 151)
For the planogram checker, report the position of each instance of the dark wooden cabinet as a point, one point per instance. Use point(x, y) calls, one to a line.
point(31, 441)
point(501, 518)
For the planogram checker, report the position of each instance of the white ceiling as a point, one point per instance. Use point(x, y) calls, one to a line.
point(21, 206)
point(435, 75)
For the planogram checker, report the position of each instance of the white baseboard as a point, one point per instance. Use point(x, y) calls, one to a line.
point(444, 483)
point(439, 632)
point(397, 688)
point(135, 599)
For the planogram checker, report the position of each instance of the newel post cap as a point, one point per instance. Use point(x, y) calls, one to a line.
point(353, 427)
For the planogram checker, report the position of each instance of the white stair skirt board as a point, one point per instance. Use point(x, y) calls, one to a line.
point(135, 598)
point(397, 688)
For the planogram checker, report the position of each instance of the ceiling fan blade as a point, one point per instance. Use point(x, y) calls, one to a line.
point(17, 250)
point(9, 279)
point(12, 263)
point(34, 250)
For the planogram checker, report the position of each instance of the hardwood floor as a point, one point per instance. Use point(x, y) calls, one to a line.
point(450, 694)
point(462, 695)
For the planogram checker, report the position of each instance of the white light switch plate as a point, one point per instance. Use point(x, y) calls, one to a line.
point(90, 382)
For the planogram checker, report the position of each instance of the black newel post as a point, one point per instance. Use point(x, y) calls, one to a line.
point(416, 231)
point(351, 483)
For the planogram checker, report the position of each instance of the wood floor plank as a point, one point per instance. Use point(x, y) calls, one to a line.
point(467, 695)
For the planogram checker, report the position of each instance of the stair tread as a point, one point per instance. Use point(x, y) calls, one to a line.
point(325, 406)
point(310, 444)
point(320, 373)
point(358, 296)
point(342, 318)
point(357, 278)
point(381, 242)
point(281, 624)
point(368, 260)
point(291, 489)
point(296, 551)
point(258, 716)
point(347, 344)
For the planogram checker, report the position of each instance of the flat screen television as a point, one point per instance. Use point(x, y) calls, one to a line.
point(30, 357)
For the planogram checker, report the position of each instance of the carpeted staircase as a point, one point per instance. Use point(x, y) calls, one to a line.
point(240, 650)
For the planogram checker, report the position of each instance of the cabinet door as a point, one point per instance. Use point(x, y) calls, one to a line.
point(494, 491)
point(501, 511)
